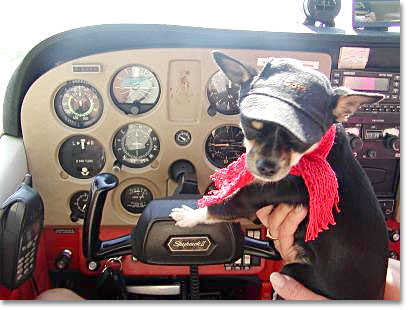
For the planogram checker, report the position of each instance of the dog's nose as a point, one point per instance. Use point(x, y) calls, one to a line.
point(266, 167)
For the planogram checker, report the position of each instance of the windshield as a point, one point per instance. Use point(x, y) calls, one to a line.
point(23, 28)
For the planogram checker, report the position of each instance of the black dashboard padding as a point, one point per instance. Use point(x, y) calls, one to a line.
point(156, 239)
point(81, 42)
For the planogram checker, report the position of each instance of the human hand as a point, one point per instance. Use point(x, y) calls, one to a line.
point(282, 223)
point(290, 289)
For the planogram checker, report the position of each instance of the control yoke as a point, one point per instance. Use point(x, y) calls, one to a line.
point(156, 240)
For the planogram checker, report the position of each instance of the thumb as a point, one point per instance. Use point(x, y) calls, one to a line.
point(290, 289)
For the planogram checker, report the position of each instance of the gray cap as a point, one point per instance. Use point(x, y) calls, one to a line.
point(290, 95)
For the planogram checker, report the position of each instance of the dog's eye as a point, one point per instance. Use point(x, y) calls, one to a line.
point(257, 125)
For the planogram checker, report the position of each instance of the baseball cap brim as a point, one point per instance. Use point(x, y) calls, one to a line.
point(270, 109)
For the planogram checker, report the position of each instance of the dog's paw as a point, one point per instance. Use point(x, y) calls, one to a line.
point(187, 217)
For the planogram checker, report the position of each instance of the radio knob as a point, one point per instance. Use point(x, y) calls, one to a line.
point(356, 143)
point(394, 235)
point(393, 255)
point(372, 154)
point(392, 142)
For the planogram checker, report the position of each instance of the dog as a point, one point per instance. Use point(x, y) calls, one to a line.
point(285, 109)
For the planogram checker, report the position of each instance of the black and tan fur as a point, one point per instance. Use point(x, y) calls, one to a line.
point(348, 261)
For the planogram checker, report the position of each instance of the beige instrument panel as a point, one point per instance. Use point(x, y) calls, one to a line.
point(183, 75)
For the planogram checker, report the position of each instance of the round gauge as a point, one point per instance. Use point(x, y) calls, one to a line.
point(135, 89)
point(223, 94)
point(183, 137)
point(78, 204)
point(135, 198)
point(136, 145)
point(78, 104)
point(323, 11)
point(81, 156)
point(224, 145)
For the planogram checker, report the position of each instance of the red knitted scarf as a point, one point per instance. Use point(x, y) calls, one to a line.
point(319, 178)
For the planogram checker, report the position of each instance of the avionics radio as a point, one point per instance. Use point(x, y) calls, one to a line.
point(386, 83)
point(374, 131)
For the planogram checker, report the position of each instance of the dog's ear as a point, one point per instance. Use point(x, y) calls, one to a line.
point(348, 101)
point(234, 70)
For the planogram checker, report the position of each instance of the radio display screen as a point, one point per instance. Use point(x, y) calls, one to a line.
point(366, 83)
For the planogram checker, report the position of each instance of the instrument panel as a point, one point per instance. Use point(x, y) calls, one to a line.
point(136, 114)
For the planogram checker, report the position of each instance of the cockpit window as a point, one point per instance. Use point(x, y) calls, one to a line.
point(23, 28)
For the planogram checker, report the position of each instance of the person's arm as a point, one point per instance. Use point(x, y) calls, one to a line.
point(392, 290)
point(282, 223)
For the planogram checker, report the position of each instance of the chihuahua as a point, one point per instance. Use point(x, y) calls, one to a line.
point(285, 109)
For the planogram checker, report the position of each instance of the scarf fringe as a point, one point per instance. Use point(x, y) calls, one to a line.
point(319, 178)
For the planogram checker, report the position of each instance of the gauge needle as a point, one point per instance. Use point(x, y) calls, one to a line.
point(219, 144)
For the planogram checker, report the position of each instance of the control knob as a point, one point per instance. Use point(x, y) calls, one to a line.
point(392, 142)
point(372, 154)
point(63, 259)
point(394, 235)
point(393, 255)
point(356, 143)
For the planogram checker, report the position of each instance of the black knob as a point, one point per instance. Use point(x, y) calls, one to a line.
point(392, 142)
point(356, 143)
point(116, 166)
point(63, 259)
point(394, 235)
point(372, 154)
point(393, 254)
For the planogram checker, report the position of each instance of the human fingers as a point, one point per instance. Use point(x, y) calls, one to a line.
point(263, 214)
point(276, 218)
point(290, 289)
point(392, 289)
point(287, 233)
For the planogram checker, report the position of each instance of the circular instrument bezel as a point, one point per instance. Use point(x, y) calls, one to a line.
point(78, 212)
point(70, 161)
point(124, 155)
point(209, 150)
point(137, 209)
point(133, 108)
point(183, 137)
point(226, 96)
point(75, 120)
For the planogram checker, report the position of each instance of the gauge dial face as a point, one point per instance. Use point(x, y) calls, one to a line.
point(78, 104)
point(224, 145)
point(82, 156)
point(135, 198)
point(182, 137)
point(135, 89)
point(136, 145)
point(223, 94)
point(78, 203)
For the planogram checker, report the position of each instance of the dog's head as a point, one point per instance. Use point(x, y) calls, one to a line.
point(285, 110)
